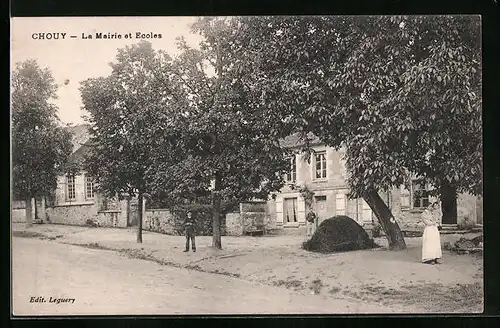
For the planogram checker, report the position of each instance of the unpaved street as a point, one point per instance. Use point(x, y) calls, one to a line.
point(103, 282)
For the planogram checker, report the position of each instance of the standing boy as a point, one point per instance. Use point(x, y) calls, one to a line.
point(189, 224)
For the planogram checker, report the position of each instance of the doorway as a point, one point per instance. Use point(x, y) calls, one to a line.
point(321, 208)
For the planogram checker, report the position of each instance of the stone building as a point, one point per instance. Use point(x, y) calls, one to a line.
point(325, 175)
point(75, 200)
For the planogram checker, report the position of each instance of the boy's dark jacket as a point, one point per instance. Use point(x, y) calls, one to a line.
point(189, 221)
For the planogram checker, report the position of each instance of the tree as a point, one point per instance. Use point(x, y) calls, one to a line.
point(227, 154)
point(130, 114)
point(400, 93)
point(40, 145)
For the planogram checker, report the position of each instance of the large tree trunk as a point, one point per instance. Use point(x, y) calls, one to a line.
point(448, 197)
point(29, 212)
point(386, 220)
point(216, 211)
point(140, 212)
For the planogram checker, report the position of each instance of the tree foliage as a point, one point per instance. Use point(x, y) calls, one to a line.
point(132, 121)
point(40, 145)
point(400, 93)
point(228, 156)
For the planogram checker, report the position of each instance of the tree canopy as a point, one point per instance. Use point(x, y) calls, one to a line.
point(40, 145)
point(132, 121)
point(227, 154)
point(400, 93)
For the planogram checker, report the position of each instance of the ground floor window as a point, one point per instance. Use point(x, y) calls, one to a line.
point(364, 211)
point(290, 210)
point(420, 194)
point(89, 187)
point(70, 185)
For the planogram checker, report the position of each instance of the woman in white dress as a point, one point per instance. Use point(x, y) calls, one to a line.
point(431, 241)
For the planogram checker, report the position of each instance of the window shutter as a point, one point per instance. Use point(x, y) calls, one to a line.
point(63, 187)
point(404, 197)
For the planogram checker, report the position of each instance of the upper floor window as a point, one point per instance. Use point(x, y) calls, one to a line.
point(70, 183)
point(292, 173)
point(320, 165)
point(89, 187)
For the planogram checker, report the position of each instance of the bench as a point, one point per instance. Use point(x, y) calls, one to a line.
point(258, 230)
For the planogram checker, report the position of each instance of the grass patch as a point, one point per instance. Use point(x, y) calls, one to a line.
point(316, 286)
point(432, 297)
point(93, 246)
point(334, 290)
point(288, 283)
point(27, 234)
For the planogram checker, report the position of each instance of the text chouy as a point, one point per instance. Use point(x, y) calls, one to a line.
point(97, 35)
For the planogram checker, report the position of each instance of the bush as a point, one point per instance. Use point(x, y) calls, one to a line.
point(338, 234)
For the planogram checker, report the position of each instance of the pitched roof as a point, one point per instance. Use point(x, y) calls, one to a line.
point(294, 140)
point(80, 135)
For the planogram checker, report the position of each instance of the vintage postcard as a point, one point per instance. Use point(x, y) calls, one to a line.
point(246, 165)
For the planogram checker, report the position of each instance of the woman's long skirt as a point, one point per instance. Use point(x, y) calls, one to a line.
point(431, 244)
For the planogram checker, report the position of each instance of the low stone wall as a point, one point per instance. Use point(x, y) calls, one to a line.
point(234, 226)
point(18, 215)
point(238, 224)
point(164, 221)
point(112, 218)
point(72, 214)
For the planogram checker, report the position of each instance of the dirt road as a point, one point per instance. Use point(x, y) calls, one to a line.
point(100, 282)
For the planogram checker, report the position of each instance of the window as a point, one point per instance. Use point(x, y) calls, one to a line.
point(70, 183)
point(89, 187)
point(292, 174)
point(365, 211)
point(320, 165)
point(290, 210)
point(420, 194)
point(340, 204)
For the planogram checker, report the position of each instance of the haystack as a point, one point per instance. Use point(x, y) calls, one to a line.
point(339, 234)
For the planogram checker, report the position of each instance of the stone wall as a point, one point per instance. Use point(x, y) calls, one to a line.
point(172, 223)
point(72, 214)
point(18, 212)
point(234, 226)
point(18, 215)
point(466, 210)
point(112, 218)
point(162, 221)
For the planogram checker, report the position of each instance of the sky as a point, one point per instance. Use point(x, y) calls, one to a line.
point(77, 59)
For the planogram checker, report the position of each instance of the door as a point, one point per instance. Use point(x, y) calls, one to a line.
point(321, 208)
point(290, 210)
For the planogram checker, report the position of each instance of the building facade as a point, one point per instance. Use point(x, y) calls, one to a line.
point(325, 175)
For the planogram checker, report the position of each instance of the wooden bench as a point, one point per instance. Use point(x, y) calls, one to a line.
point(258, 230)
